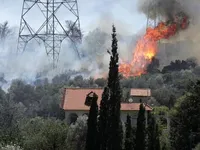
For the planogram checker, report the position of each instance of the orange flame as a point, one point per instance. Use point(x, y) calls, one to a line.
point(146, 47)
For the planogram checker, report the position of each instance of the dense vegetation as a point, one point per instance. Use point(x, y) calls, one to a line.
point(31, 117)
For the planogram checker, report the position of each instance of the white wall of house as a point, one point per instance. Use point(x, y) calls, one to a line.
point(133, 115)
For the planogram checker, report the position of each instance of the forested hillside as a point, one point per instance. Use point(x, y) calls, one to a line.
point(43, 98)
point(31, 117)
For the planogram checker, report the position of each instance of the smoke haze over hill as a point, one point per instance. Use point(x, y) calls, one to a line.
point(34, 60)
point(96, 42)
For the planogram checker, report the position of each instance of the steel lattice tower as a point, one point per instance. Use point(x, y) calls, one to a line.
point(51, 29)
point(152, 15)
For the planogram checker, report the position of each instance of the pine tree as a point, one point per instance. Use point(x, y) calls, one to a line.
point(102, 121)
point(153, 133)
point(140, 132)
point(129, 135)
point(114, 127)
point(92, 126)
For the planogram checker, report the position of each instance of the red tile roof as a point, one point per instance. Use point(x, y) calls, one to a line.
point(74, 99)
point(140, 92)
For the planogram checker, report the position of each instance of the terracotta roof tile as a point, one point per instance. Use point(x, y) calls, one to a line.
point(140, 92)
point(74, 99)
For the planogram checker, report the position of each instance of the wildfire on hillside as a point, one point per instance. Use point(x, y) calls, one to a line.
point(146, 48)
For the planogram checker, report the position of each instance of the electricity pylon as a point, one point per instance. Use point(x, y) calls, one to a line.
point(51, 22)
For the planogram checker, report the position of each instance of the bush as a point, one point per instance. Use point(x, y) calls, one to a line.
point(41, 133)
point(10, 147)
point(197, 147)
point(76, 136)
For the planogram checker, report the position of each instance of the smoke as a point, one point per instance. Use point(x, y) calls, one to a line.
point(186, 43)
point(167, 9)
point(23, 66)
point(98, 42)
point(160, 8)
point(34, 63)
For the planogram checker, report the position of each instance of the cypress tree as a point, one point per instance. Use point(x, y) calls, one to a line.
point(153, 134)
point(140, 131)
point(92, 126)
point(129, 135)
point(114, 127)
point(102, 121)
point(157, 138)
point(134, 136)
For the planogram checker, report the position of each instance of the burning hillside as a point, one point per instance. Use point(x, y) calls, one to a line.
point(146, 48)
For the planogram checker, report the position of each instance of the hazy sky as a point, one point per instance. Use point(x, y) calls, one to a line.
point(124, 12)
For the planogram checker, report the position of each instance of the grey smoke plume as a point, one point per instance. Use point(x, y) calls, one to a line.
point(34, 61)
point(160, 8)
point(96, 44)
point(98, 41)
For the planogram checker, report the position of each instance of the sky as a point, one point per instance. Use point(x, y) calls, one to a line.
point(124, 12)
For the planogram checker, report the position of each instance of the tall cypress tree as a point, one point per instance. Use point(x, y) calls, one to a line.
point(140, 131)
point(153, 133)
point(114, 127)
point(129, 135)
point(102, 122)
point(157, 138)
point(92, 126)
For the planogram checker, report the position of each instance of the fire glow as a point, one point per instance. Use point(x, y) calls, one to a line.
point(146, 48)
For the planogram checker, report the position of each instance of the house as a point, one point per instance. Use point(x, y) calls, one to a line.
point(73, 103)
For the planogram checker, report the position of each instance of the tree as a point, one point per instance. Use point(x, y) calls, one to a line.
point(92, 125)
point(4, 31)
point(162, 95)
point(19, 91)
point(179, 65)
point(41, 134)
point(11, 114)
point(153, 133)
point(103, 120)
point(129, 145)
point(10, 147)
point(197, 147)
point(115, 95)
point(95, 42)
point(185, 120)
point(171, 101)
point(77, 134)
point(110, 128)
point(153, 67)
point(73, 31)
point(140, 132)
point(101, 82)
point(157, 138)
